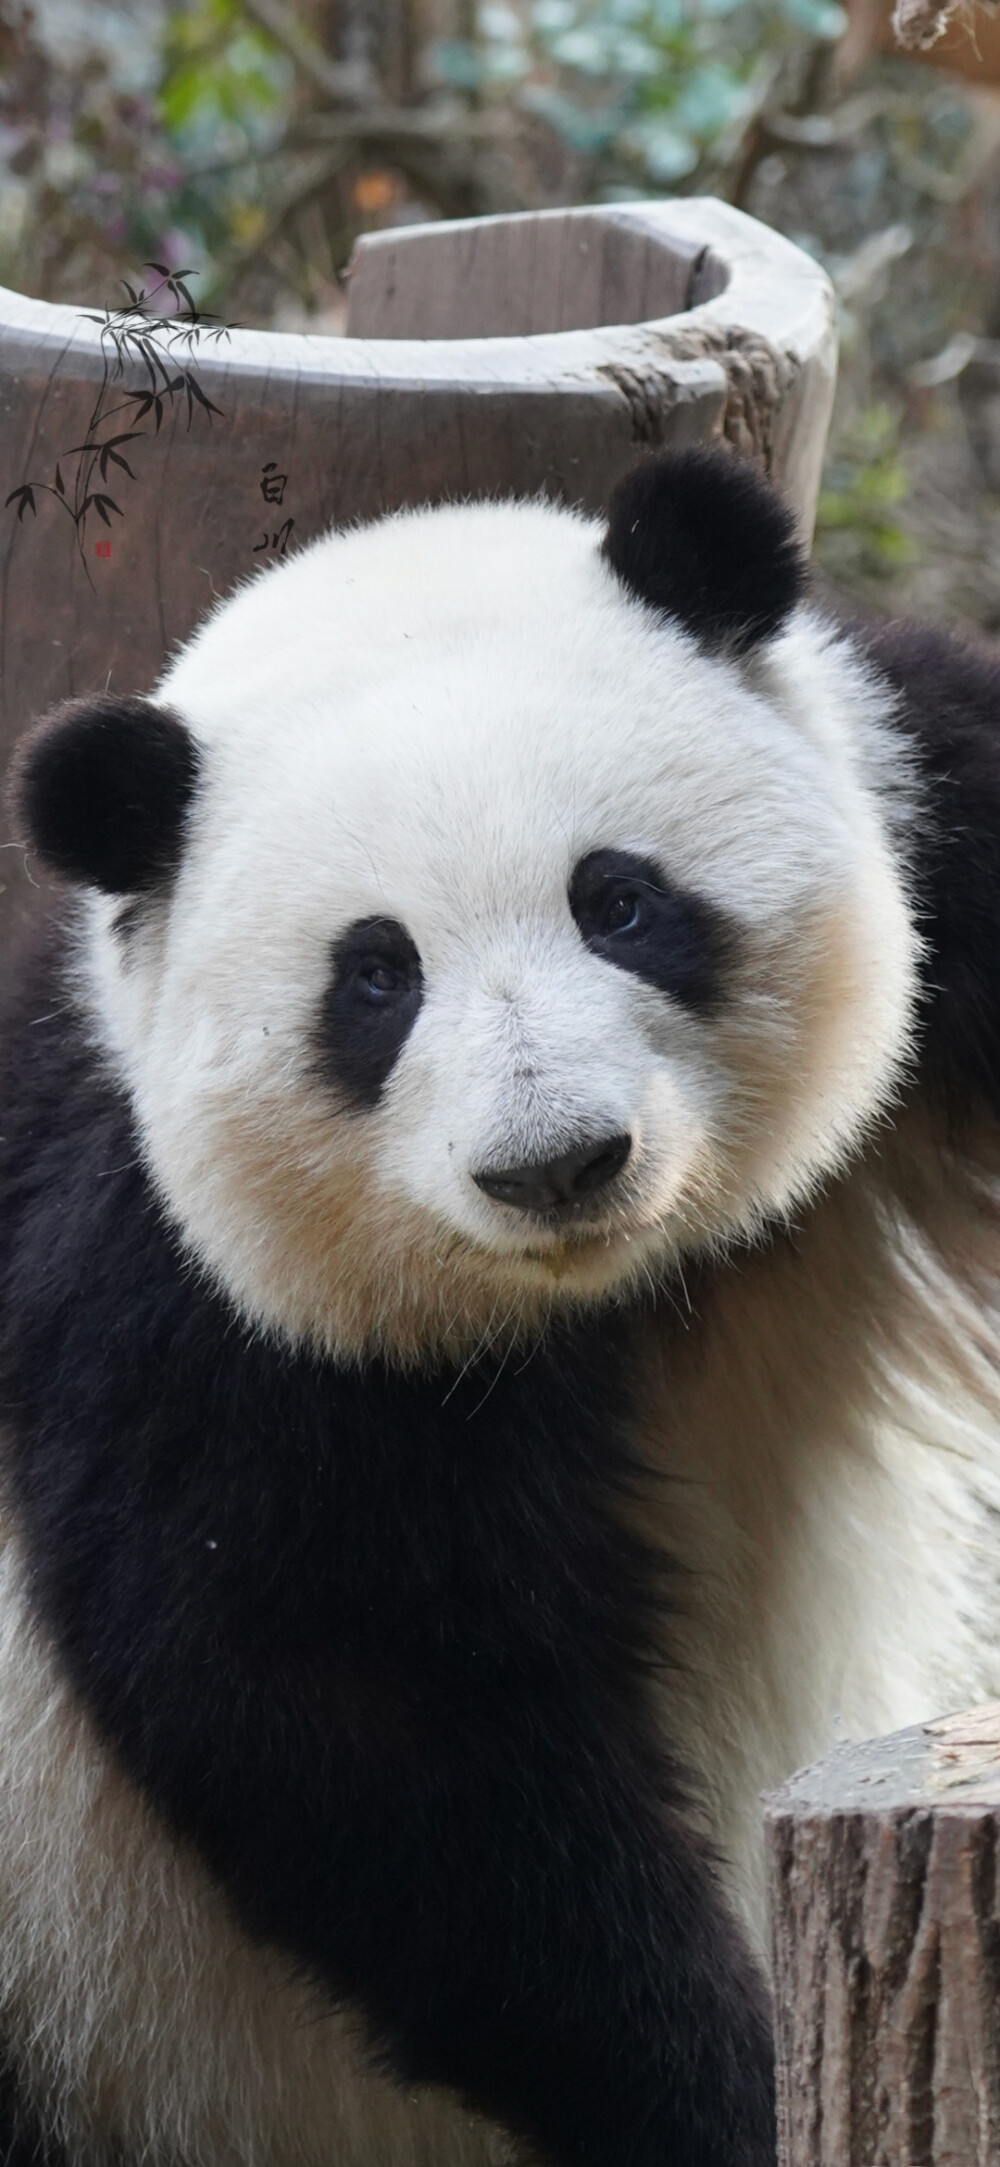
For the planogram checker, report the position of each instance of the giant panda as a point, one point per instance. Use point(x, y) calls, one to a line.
point(498, 1256)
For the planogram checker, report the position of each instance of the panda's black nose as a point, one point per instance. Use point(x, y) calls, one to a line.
point(554, 1184)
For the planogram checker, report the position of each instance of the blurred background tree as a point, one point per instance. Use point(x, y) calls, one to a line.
point(252, 140)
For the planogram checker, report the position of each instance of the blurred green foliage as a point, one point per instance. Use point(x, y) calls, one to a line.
point(648, 88)
point(537, 101)
point(218, 73)
point(865, 484)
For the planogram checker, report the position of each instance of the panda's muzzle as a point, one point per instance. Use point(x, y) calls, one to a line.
point(558, 1186)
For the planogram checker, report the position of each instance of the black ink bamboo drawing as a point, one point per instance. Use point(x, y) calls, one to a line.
point(137, 335)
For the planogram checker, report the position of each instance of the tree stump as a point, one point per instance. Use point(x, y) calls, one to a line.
point(886, 1919)
point(148, 470)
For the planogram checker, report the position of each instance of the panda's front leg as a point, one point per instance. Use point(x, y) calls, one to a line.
point(534, 1931)
point(511, 1907)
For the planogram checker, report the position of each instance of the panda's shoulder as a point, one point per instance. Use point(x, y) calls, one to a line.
point(945, 693)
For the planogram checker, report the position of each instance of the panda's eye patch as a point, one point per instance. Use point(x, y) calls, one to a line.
point(629, 913)
point(371, 1002)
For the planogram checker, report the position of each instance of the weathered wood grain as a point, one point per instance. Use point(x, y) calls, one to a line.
point(662, 286)
point(886, 1916)
point(498, 356)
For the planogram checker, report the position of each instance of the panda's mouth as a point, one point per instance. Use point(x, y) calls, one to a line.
point(568, 1246)
point(592, 1254)
point(578, 1253)
point(558, 1263)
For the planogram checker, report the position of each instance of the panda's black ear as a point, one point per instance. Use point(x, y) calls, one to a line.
point(699, 535)
point(101, 790)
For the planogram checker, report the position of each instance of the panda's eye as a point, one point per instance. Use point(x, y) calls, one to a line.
point(380, 981)
point(622, 912)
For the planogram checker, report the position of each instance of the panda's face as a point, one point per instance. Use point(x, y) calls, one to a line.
point(517, 946)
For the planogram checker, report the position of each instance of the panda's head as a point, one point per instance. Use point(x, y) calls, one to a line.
point(490, 908)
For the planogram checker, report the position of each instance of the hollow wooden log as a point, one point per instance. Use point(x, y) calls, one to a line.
point(886, 1922)
point(496, 356)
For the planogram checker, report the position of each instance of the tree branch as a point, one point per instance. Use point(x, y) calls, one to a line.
point(918, 24)
point(345, 84)
point(380, 127)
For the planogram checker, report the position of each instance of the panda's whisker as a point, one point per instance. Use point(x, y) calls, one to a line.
point(501, 1366)
point(360, 844)
point(472, 1358)
point(481, 1348)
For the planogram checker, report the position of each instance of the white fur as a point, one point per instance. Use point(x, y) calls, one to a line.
point(433, 720)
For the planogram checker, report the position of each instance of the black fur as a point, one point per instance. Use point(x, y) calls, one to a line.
point(374, 1644)
point(677, 941)
point(22, 2142)
point(103, 789)
point(950, 719)
point(699, 535)
point(370, 1006)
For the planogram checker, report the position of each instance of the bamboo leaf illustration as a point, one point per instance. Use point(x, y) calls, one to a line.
point(109, 450)
point(116, 460)
point(156, 358)
point(143, 354)
point(135, 332)
point(202, 397)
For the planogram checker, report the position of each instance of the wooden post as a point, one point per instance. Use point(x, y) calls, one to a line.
point(886, 1917)
point(496, 356)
